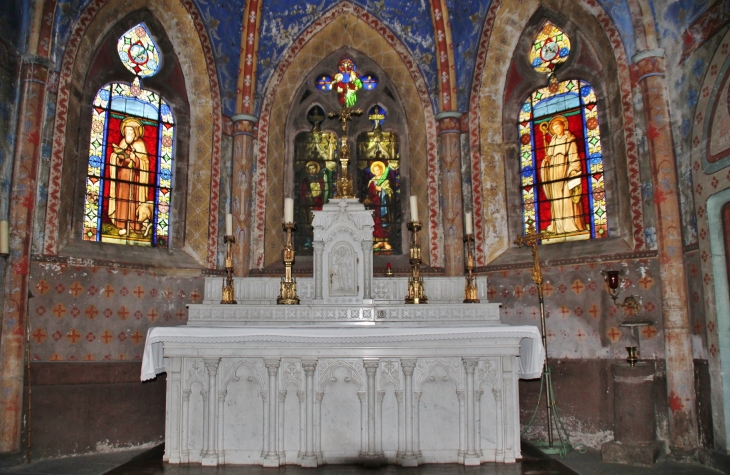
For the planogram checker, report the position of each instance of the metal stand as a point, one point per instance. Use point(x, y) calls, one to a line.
point(416, 293)
point(471, 295)
point(288, 292)
point(227, 296)
point(553, 418)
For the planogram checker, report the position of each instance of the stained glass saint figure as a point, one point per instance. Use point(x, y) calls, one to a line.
point(347, 82)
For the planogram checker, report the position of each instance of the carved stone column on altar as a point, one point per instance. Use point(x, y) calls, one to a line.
point(451, 191)
point(221, 408)
point(318, 396)
point(280, 443)
point(241, 190)
point(272, 457)
point(478, 421)
point(462, 425)
point(471, 457)
point(310, 458)
point(343, 227)
point(379, 431)
point(401, 427)
point(409, 458)
point(210, 457)
point(302, 395)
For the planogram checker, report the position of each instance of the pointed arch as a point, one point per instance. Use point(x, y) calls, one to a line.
point(184, 27)
point(345, 25)
point(497, 49)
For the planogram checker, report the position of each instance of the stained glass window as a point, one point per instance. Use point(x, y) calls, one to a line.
point(378, 165)
point(130, 168)
point(561, 162)
point(550, 48)
point(315, 173)
point(138, 51)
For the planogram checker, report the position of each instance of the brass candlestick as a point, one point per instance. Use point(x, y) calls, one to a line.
point(288, 292)
point(416, 293)
point(228, 292)
point(470, 289)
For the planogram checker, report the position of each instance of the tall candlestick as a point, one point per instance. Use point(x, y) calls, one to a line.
point(229, 224)
point(288, 210)
point(414, 209)
point(4, 247)
point(468, 223)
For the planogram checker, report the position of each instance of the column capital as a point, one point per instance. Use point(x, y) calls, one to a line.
point(211, 364)
point(361, 395)
point(408, 366)
point(309, 366)
point(470, 364)
point(399, 395)
point(318, 396)
point(222, 395)
point(301, 395)
point(264, 394)
point(381, 395)
point(282, 395)
point(272, 365)
point(478, 393)
point(460, 394)
point(417, 396)
point(244, 118)
point(371, 365)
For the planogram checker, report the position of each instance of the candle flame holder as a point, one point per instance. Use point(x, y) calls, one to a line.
point(613, 282)
point(288, 291)
point(416, 293)
point(471, 294)
point(228, 294)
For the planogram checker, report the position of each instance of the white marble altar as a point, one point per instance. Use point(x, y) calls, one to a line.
point(351, 374)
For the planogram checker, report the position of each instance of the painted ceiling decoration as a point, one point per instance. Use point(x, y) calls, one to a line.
point(255, 34)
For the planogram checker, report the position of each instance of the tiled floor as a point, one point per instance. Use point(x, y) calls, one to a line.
point(149, 462)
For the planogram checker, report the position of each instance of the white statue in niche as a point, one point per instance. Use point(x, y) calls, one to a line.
point(342, 268)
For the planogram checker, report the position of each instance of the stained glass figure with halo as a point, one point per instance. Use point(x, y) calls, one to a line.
point(130, 167)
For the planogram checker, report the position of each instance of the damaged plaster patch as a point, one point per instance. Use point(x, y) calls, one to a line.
point(106, 447)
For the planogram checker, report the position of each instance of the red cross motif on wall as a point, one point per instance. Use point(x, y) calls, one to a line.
point(646, 282)
point(136, 337)
point(56, 357)
point(548, 289)
point(75, 289)
point(580, 335)
point(108, 290)
point(138, 292)
point(195, 295)
point(106, 337)
point(88, 357)
point(123, 313)
point(593, 311)
point(564, 311)
point(39, 335)
point(491, 293)
point(91, 312)
point(59, 310)
point(180, 314)
point(649, 331)
point(519, 292)
point(613, 334)
point(534, 313)
point(42, 287)
point(578, 287)
point(698, 326)
point(152, 314)
point(73, 336)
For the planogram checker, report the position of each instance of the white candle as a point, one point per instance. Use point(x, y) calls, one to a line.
point(229, 224)
point(4, 247)
point(288, 210)
point(467, 223)
point(414, 209)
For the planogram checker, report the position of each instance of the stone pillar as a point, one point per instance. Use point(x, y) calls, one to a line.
point(499, 452)
point(362, 396)
point(451, 192)
point(471, 457)
point(31, 112)
point(478, 421)
point(371, 367)
point(462, 426)
point(184, 444)
point(417, 425)
point(272, 458)
point(367, 252)
point(241, 191)
point(302, 422)
point(310, 458)
point(280, 416)
point(264, 399)
point(318, 249)
point(401, 427)
point(319, 395)
point(680, 366)
point(210, 457)
point(634, 432)
point(379, 432)
point(409, 459)
point(221, 417)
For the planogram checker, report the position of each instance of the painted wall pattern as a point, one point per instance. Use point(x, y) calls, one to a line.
point(92, 313)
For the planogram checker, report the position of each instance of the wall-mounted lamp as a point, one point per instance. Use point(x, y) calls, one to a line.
point(4, 239)
point(613, 279)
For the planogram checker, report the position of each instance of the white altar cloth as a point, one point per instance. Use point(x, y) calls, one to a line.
point(532, 353)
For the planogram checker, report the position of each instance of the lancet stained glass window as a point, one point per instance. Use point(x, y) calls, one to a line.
point(561, 162)
point(130, 167)
point(378, 165)
point(315, 174)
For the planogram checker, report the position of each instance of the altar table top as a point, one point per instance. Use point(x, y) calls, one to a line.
point(532, 353)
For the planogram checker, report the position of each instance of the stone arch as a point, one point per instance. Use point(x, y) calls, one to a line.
point(502, 31)
point(185, 30)
point(327, 374)
point(345, 25)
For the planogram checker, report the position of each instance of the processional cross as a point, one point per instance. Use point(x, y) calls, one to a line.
point(346, 83)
